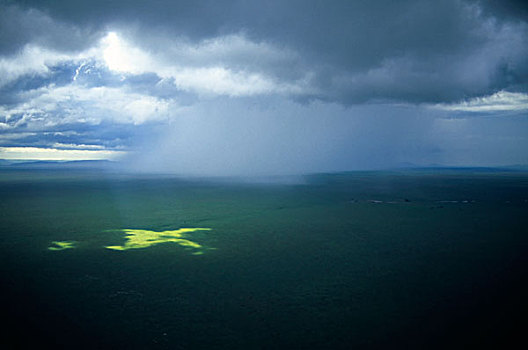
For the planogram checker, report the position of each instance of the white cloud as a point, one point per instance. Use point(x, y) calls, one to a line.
point(499, 102)
point(74, 103)
point(220, 81)
point(206, 67)
point(81, 146)
point(31, 60)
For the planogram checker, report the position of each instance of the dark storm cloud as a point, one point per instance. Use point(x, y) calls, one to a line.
point(355, 51)
point(19, 27)
point(511, 9)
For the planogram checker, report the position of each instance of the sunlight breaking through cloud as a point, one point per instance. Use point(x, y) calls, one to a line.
point(196, 67)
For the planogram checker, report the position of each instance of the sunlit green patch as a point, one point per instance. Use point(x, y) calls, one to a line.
point(61, 245)
point(137, 239)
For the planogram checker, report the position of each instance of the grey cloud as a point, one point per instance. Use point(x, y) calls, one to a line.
point(108, 135)
point(428, 51)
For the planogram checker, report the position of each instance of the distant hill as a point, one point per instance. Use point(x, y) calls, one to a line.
point(114, 166)
point(433, 168)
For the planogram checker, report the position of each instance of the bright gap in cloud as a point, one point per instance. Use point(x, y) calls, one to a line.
point(36, 153)
point(119, 56)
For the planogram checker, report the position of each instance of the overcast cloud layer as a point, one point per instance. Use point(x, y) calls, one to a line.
point(252, 87)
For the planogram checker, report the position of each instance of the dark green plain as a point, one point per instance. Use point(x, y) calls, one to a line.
point(410, 259)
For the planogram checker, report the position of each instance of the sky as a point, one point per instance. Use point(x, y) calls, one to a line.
point(265, 87)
